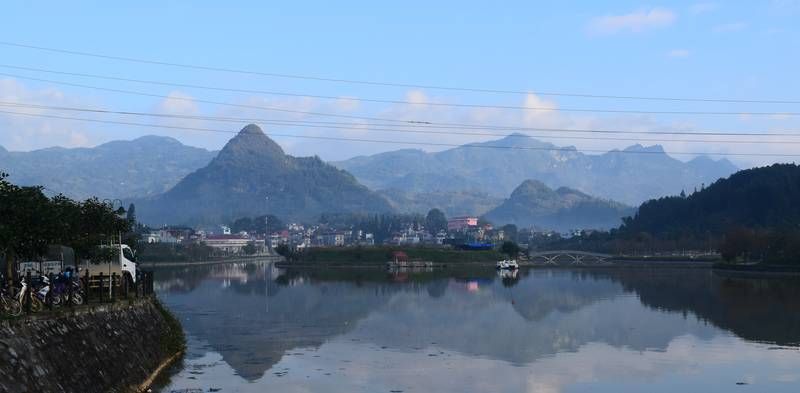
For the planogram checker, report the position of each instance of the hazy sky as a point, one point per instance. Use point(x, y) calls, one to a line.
point(733, 49)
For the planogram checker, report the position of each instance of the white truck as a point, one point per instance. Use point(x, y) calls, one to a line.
point(123, 264)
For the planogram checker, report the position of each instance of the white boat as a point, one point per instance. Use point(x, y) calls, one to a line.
point(507, 264)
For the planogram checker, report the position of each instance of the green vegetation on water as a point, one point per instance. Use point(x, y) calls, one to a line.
point(349, 256)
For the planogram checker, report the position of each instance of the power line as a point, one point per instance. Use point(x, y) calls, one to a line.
point(379, 128)
point(392, 84)
point(789, 133)
point(167, 97)
point(437, 144)
point(354, 99)
point(440, 104)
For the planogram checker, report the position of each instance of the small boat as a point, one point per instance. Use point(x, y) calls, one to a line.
point(507, 264)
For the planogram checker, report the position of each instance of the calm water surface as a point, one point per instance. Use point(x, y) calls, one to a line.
point(255, 328)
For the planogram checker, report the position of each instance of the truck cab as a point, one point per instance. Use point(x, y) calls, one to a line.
point(127, 260)
point(123, 263)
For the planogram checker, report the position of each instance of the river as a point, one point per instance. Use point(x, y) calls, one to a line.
point(254, 328)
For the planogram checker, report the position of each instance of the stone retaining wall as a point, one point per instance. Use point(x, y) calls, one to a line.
point(104, 348)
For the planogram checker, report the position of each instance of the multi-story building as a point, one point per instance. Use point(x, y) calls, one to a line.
point(458, 224)
point(232, 244)
point(329, 239)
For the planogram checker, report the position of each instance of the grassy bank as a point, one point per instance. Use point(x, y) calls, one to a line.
point(353, 256)
point(173, 340)
point(757, 268)
point(667, 258)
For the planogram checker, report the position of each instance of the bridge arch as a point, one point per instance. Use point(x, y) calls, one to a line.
point(568, 257)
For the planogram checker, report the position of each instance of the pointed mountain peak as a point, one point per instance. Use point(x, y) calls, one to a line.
point(251, 129)
point(726, 162)
point(251, 146)
point(531, 187)
point(723, 165)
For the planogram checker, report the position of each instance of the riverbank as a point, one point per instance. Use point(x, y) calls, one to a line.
point(492, 264)
point(626, 263)
point(378, 256)
point(756, 269)
point(101, 348)
point(266, 258)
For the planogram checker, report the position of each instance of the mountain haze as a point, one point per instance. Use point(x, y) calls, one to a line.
point(452, 203)
point(250, 168)
point(498, 167)
point(120, 169)
point(535, 204)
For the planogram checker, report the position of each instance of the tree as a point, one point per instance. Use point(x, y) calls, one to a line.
point(510, 232)
point(29, 222)
point(249, 248)
point(25, 222)
point(99, 224)
point(435, 221)
point(284, 251)
point(131, 215)
point(257, 224)
point(510, 248)
point(242, 224)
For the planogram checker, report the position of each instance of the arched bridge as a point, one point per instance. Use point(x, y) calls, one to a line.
point(569, 257)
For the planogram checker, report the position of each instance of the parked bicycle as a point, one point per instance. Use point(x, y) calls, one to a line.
point(8, 304)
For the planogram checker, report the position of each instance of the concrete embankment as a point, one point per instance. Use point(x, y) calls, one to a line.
point(103, 348)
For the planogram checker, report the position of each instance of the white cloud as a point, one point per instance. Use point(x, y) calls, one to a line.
point(702, 8)
point(633, 22)
point(417, 97)
point(347, 104)
point(178, 103)
point(25, 133)
point(21, 132)
point(730, 27)
point(546, 115)
point(678, 53)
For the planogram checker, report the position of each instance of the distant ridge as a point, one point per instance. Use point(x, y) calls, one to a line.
point(120, 169)
point(248, 170)
point(628, 178)
point(533, 204)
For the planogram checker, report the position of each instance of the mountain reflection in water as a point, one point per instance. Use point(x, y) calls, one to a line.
point(253, 327)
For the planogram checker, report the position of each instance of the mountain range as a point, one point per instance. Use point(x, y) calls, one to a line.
point(631, 176)
point(252, 175)
point(535, 204)
point(175, 183)
point(144, 166)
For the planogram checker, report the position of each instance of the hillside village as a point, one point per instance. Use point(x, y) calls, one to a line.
point(463, 232)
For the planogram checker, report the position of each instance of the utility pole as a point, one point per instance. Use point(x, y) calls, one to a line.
point(267, 239)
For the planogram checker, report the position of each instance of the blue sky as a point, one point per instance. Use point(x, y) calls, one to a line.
point(733, 49)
